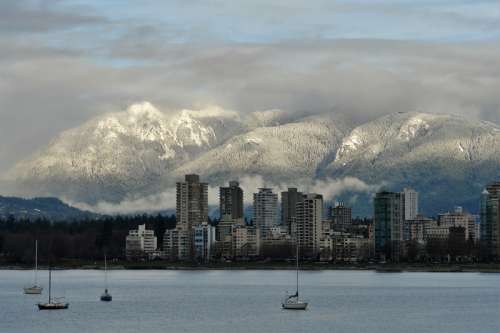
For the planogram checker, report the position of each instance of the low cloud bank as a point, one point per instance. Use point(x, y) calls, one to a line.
point(330, 188)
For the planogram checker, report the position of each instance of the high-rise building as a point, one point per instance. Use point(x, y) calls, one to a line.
point(231, 201)
point(490, 221)
point(289, 200)
point(140, 242)
point(231, 215)
point(410, 198)
point(265, 210)
point(191, 211)
point(341, 217)
point(192, 202)
point(388, 220)
point(308, 227)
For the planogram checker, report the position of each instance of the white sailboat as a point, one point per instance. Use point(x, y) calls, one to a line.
point(106, 296)
point(35, 289)
point(293, 302)
point(51, 304)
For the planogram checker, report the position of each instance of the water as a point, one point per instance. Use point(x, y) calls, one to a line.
point(249, 301)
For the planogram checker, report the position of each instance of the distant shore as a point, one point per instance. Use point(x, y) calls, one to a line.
point(274, 265)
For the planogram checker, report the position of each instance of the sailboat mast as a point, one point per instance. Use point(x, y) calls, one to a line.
point(36, 262)
point(297, 268)
point(50, 282)
point(105, 273)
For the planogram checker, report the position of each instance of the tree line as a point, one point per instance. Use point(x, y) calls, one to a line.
point(86, 239)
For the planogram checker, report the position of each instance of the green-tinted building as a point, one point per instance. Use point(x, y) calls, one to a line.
point(490, 221)
point(388, 222)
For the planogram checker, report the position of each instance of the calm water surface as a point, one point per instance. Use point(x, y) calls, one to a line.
point(249, 301)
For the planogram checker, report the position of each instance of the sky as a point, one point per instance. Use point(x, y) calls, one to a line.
point(64, 62)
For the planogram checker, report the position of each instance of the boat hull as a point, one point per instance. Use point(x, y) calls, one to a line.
point(295, 306)
point(53, 306)
point(33, 290)
point(106, 298)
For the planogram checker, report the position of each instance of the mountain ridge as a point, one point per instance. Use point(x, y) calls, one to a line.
point(141, 151)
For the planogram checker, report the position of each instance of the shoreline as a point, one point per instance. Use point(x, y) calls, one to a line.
point(382, 268)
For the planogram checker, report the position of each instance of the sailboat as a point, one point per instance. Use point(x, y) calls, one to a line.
point(106, 296)
point(293, 302)
point(35, 289)
point(52, 304)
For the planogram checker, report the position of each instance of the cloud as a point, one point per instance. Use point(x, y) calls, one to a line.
point(62, 63)
point(329, 188)
point(153, 203)
point(363, 79)
point(33, 16)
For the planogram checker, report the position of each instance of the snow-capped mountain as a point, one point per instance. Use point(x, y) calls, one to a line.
point(123, 153)
point(142, 151)
point(280, 153)
point(446, 157)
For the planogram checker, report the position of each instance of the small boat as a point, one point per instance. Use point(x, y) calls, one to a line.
point(34, 289)
point(106, 296)
point(51, 304)
point(293, 302)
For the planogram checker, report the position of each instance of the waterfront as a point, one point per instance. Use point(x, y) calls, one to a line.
point(249, 301)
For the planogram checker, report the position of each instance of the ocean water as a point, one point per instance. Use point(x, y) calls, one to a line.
point(249, 301)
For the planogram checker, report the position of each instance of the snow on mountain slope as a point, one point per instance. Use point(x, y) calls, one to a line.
point(280, 153)
point(120, 153)
point(141, 151)
point(447, 157)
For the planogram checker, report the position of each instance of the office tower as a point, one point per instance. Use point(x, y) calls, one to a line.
point(410, 198)
point(192, 202)
point(490, 221)
point(265, 210)
point(140, 242)
point(307, 229)
point(341, 217)
point(289, 200)
point(388, 220)
point(231, 201)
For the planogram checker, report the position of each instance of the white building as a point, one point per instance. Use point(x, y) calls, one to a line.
point(265, 210)
point(410, 207)
point(140, 242)
point(204, 240)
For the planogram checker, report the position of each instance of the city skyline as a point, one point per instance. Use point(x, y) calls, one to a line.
point(396, 232)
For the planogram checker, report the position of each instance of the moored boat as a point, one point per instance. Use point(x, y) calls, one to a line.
point(34, 289)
